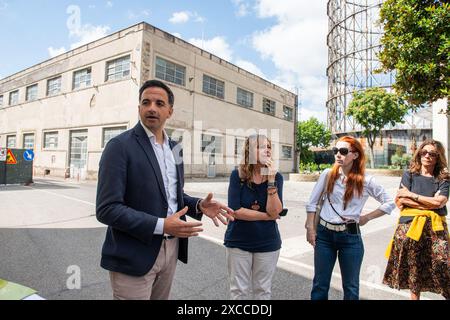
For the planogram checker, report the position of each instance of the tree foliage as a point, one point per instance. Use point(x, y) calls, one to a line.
point(311, 133)
point(373, 109)
point(416, 44)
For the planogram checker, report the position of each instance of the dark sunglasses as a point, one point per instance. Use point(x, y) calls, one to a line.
point(432, 154)
point(342, 151)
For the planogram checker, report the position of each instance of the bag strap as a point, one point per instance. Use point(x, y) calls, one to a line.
point(335, 209)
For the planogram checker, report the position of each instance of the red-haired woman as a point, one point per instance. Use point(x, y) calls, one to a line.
point(346, 189)
point(419, 252)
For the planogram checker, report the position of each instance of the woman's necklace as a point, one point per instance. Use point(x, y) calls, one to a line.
point(255, 206)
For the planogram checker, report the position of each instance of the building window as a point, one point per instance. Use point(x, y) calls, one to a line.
point(51, 140)
point(244, 98)
point(118, 69)
point(82, 79)
point(28, 141)
point(268, 106)
point(109, 133)
point(10, 141)
point(1, 101)
point(32, 92)
point(288, 113)
point(54, 86)
point(213, 86)
point(14, 97)
point(211, 144)
point(286, 152)
point(239, 146)
point(170, 72)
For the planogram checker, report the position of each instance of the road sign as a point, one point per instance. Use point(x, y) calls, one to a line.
point(28, 155)
point(3, 153)
point(10, 158)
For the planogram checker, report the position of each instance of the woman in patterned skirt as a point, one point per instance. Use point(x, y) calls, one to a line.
point(419, 252)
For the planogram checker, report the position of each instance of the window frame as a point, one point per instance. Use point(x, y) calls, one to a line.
point(15, 141)
point(288, 118)
point(28, 92)
point(108, 76)
point(282, 151)
point(243, 103)
point(176, 71)
point(52, 93)
point(24, 136)
point(104, 129)
point(213, 91)
point(11, 95)
point(45, 146)
point(274, 106)
point(82, 84)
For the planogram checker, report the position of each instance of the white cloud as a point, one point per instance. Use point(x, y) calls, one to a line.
point(185, 16)
point(88, 33)
point(296, 45)
point(217, 45)
point(305, 114)
point(251, 67)
point(109, 4)
point(3, 5)
point(53, 52)
point(142, 14)
point(176, 34)
point(242, 7)
point(180, 17)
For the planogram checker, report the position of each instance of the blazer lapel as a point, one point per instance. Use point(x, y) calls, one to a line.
point(144, 141)
point(179, 167)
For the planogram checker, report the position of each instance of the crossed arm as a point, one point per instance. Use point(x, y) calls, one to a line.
point(412, 200)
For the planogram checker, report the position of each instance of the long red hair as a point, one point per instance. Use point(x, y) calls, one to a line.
point(355, 179)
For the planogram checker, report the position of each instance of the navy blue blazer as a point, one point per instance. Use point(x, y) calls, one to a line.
point(130, 199)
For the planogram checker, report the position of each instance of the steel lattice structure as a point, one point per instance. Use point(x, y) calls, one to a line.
point(353, 41)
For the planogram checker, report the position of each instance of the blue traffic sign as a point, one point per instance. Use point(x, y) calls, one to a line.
point(28, 155)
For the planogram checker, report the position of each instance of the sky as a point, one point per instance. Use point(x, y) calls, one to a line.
point(283, 41)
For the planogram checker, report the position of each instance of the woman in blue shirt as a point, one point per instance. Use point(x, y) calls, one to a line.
point(252, 240)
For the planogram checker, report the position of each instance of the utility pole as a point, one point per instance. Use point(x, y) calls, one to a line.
point(297, 132)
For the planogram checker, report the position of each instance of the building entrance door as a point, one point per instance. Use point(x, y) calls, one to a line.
point(78, 154)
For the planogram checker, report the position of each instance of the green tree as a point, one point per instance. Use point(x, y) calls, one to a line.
point(416, 44)
point(311, 133)
point(373, 109)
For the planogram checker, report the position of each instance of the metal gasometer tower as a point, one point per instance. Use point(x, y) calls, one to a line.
point(353, 43)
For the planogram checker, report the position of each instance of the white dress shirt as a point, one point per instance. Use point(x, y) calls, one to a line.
point(168, 169)
point(354, 206)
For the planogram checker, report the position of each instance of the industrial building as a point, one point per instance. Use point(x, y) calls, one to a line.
point(67, 108)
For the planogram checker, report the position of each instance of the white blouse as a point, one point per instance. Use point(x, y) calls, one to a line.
point(356, 204)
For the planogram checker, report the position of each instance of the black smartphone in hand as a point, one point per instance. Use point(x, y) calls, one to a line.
point(283, 213)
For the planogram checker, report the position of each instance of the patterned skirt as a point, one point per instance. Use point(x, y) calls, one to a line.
point(422, 265)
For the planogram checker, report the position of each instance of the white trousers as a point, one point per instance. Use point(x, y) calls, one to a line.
point(251, 272)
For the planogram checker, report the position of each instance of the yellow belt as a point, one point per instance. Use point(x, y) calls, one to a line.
point(416, 227)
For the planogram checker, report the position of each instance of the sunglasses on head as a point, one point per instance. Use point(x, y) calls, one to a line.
point(342, 151)
point(432, 154)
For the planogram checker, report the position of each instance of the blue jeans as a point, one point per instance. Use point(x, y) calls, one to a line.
point(349, 249)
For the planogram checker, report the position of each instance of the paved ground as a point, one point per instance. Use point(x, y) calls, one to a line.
point(49, 234)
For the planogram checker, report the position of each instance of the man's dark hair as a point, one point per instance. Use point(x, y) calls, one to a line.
point(159, 84)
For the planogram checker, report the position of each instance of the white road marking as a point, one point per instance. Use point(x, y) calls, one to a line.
point(66, 197)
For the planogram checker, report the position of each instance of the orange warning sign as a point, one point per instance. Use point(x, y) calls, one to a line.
point(10, 158)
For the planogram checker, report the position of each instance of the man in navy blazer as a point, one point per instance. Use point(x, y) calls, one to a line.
point(140, 197)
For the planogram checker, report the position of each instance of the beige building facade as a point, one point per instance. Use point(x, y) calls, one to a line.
point(67, 108)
